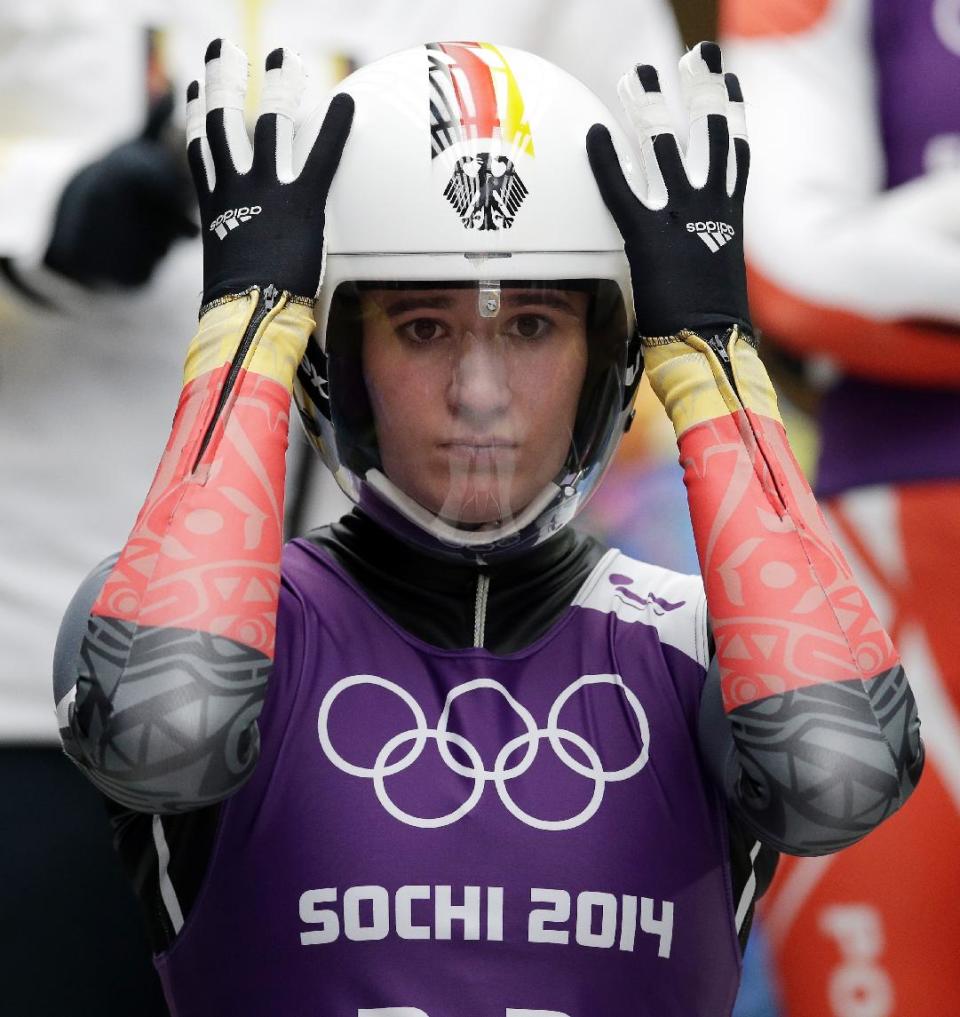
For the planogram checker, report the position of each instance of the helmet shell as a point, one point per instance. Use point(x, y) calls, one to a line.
point(466, 162)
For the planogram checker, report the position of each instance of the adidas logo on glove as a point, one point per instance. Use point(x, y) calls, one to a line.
point(232, 218)
point(713, 234)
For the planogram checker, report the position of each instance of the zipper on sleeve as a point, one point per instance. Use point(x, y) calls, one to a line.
point(266, 301)
point(480, 609)
point(717, 343)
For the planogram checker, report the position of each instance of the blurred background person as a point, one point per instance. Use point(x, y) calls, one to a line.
point(98, 295)
point(91, 199)
point(853, 241)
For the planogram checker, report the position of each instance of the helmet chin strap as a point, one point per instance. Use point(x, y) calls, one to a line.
point(450, 534)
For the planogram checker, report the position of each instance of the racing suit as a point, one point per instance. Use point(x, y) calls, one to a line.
point(397, 838)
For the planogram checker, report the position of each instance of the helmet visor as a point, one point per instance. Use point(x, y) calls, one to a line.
point(473, 406)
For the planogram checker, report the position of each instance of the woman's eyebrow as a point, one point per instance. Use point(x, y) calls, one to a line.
point(542, 298)
point(401, 305)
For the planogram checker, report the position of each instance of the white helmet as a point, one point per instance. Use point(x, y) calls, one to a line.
point(465, 188)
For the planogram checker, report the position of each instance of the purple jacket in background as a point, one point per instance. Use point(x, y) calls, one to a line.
point(875, 433)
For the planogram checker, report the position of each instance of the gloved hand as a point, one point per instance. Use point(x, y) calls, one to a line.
point(684, 238)
point(261, 206)
point(117, 217)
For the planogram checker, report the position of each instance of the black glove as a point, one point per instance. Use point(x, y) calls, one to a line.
point(258, 228)
point(686, 258)
point(117, 217)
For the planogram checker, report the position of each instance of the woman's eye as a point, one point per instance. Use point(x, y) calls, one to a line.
point(530, 326)
point(422, 330)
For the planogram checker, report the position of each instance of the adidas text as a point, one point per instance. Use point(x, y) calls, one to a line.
point(232, 218)
point(713, 233)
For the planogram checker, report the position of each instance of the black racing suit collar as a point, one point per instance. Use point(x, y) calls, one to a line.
point(503, 607)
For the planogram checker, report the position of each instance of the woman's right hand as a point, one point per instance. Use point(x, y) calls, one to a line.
point(261, 214)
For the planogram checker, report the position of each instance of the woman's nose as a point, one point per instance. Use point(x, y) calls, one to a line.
point(479, 386)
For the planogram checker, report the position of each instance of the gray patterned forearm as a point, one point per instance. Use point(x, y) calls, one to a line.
point(813, 770)
point(164, 720)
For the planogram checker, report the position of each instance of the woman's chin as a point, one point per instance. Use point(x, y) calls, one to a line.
point(478, 506)
point(477, 500)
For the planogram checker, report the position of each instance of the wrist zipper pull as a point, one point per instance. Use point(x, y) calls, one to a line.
point(717, 342)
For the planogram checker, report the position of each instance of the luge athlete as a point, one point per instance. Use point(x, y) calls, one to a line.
point(449, 756)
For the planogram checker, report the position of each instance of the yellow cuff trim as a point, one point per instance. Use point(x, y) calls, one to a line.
point(690, 381)
point(276, 350)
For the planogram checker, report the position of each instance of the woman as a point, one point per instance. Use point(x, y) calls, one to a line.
point(471, 761)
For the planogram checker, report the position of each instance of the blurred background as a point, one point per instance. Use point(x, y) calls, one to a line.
point(853, 244)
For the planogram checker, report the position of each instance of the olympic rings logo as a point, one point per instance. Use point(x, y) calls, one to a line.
point(420, 733)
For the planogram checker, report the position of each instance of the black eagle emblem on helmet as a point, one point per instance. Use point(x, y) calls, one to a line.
point(486, 191)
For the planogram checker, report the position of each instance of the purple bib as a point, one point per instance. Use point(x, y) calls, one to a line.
point(453, 833)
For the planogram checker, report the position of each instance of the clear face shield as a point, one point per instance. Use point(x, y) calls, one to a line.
point(471, 417)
